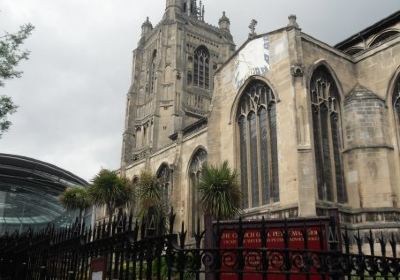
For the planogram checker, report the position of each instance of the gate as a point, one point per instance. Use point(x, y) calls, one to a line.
point(121, 250)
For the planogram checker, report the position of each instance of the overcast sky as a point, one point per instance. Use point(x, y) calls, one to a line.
point(72, 94)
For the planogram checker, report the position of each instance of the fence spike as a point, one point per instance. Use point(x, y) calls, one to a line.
point(393, 245)
point(371, 239)
point(358, 241)
point(382, 242)
point(171, 220)
point(182, 235)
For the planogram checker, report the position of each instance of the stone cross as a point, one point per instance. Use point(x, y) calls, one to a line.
point(252, 28)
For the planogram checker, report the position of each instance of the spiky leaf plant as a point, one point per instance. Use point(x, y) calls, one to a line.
point(149, 195)
point(219, 190)
point(111, 190)
point(75, 198)
point(149, 190)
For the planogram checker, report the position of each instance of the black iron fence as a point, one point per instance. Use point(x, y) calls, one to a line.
point(127, 249)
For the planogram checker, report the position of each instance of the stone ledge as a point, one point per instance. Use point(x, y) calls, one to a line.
point(381, 146)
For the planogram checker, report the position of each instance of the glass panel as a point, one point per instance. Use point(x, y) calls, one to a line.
point(207, 75)
point(193, 187)
point(196, 71)
point(9, 220)
point(263, 130)
point(243, 161)
point(253, 160)
point(340, 185)
point(327, 187)
point(318, 154)
point(396, 101)
point(274, 153)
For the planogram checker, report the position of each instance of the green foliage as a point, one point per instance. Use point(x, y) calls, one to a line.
point(10, 56)
point(219, 191)
point(109, 189)
point(148, 191)
point(7, 107)
point(151, 204)
point(75, 198)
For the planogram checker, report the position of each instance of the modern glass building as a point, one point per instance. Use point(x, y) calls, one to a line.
point(29, 191)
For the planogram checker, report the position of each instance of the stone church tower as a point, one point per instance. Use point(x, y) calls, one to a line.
point(172, 77)
point(310, 128)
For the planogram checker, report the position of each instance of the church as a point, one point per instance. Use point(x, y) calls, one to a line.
point(309, 127)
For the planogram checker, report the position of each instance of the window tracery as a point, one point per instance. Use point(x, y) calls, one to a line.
point(325, 103)
point(195, 169)
point(256, 119)
point(201, 68)
point(164, 179)
point(396, 103)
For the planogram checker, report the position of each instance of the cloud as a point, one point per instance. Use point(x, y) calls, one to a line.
point(73, 90)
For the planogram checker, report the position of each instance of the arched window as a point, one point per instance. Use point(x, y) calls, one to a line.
point(201, 68)
point(256, 119)
point(152, 76)
point(396, 103)
point(195, 167)
point(325, 103)
point(164, 178)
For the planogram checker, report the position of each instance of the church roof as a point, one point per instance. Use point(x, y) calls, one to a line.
point(370, 30)
point(360, 92)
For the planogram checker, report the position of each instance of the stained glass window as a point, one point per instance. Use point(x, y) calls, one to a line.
point(396, 101)
point(325, 104)
point(201, 68)
point(195, 167)
point(164, 179)
point(256, 118)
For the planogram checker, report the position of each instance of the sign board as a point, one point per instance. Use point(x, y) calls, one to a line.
point(98, 269)
point(317, 232)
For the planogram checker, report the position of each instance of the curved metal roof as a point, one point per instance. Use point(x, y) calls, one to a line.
point(29, 191)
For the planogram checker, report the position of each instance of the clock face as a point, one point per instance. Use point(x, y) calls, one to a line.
point(253, 59)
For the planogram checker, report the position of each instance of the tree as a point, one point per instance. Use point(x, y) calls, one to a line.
point(110, 190)
point(7, 107)
point(10, 56)
point(219, 190)
point(75, 198)
point(149, 195)
point(148, 191)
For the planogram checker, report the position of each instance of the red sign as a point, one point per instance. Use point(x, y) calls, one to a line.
point(252, 257)
point(98, 269)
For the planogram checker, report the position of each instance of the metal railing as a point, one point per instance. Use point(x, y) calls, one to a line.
point(127, 249)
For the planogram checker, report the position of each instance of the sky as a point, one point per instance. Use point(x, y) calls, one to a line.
point(72, 94)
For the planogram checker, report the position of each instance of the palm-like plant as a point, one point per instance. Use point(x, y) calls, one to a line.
point(110, 190)
point(148, 191)
point(149, 194)
point(75, 198)
point(219, 190)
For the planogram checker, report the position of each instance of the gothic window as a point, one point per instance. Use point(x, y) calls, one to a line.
point(164, 179)
point(325, 103)
point(396, 103)
point(195, 167)
point(201, 68)
point(152, 77)
point(256, 120)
